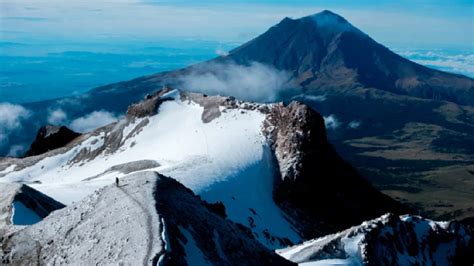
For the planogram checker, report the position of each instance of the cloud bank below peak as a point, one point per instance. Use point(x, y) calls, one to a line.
point(253, 82)
point(460, 62)
point(92, 121)
point(11, 119)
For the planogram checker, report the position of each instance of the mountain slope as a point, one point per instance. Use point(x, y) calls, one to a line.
point(224, 150)
point(146, 219)
point(312, 173)
point(390, 240)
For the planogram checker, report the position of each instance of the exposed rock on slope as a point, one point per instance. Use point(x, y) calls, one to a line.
point(50, 138)
point(147, 219)
point(149, 105)
point(22, 205)
point(390, 240)
point(317, 185)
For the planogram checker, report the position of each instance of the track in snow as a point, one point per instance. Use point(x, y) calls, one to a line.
point(148, 225)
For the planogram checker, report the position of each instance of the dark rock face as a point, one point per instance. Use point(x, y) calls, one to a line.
point(317, 186)
point(149, 105)
point(50, 138)
point(391, 240)
point(418, 238)
point(208, 229)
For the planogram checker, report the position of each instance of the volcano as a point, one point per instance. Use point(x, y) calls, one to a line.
point(326, 51)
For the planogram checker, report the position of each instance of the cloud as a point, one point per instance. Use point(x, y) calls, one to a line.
point(12, 114)
point(27, 18)
point(221, 52)
point(11, 118)
point(331, 122)
point(311, 98)
point(16, 150)
point(57, 116)
point(143, 64)
point(92, 121)
point(459, 62)
point(354, 124)
point(254, 82)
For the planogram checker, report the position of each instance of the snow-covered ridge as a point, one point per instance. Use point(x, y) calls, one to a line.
point(213, 145)
point(389, 239)
point(143, 220)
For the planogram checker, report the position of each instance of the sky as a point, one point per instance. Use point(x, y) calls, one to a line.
point(56, 48)
point(427, 24)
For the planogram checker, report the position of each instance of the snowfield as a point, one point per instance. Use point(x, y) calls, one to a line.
point(226, 160)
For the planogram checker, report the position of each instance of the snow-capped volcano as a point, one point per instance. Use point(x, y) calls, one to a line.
point(225, 150)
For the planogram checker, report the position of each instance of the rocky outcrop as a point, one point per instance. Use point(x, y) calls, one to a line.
point(149, 105)
point(316, 186)
point(391, 240)
point(49, 138)
point(147, 219)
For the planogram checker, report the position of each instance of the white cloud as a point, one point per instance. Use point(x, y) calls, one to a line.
point(354, 124)
point(255, 82)
point(221, 52)
point(11, 118)
point(312, 98)
point(57, 116)
point(11, 115)
point(331, 122)
point(16, 150)
point(92, 121)
point(461, 62)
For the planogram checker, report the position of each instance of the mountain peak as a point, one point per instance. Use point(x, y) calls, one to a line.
point(326, 13)
point(330, 20)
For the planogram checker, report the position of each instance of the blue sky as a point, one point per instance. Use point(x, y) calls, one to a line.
point(116, 40)
point(394, 23)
